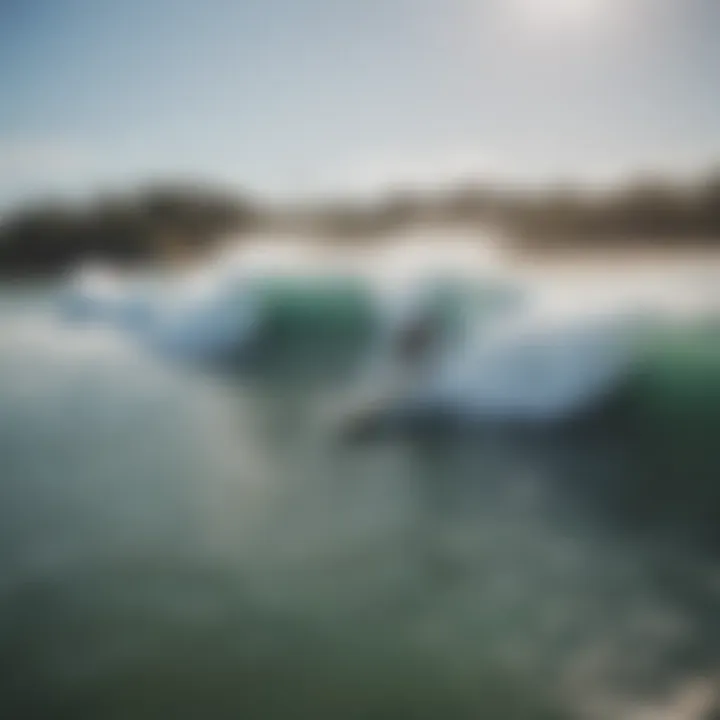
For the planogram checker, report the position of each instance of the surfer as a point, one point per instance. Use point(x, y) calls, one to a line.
point(418, 339)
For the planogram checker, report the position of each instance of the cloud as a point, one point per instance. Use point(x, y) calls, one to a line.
point(40, 157)
point(32, 167)
point(424, 170)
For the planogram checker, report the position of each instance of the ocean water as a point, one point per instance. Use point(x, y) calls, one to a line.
point(181, 544)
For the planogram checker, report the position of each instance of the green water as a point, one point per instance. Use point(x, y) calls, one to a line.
point(183, 545)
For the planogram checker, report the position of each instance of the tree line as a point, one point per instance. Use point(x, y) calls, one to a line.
point(140, 227)
point(169, 221)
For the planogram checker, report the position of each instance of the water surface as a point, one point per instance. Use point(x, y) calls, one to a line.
point(187, 545)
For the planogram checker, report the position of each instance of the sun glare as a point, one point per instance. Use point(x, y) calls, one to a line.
point(562, 14)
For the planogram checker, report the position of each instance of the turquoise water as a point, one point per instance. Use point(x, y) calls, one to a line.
point(177, 544)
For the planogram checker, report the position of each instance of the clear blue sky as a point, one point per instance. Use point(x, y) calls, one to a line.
point(297, 97)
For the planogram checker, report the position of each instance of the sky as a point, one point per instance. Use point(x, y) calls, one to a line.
point(305, 98)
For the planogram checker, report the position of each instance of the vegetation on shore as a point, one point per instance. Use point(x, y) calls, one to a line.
point(158, 222)
point(135, 228)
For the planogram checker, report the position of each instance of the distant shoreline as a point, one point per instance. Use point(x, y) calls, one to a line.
point(609, 257)
point(645, 219)
point(632, 252)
